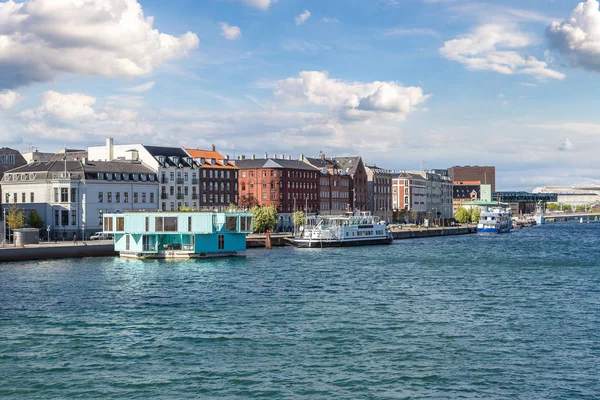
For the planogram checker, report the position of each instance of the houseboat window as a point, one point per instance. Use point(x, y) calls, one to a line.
point(221, 242)
point(170, 224)
point(120, 224)
point(189, 224)
point(147, 224)
point(158, 224)
point(108, 224)
point(231, 223)
point(127, 240)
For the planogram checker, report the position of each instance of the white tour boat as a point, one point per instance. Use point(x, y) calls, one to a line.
point(495, 220)
point(358, 229)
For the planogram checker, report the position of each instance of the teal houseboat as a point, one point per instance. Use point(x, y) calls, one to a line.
point(159, 234)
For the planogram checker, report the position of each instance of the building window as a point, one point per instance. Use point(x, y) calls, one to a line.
point(221, 242)
point(117, 197)
point(100, 197)
point(55, 217)
point(135, 197)
point(73, 217)
point(143, 197)
point(172, 176)
point(64, 195)
point(243, 174)
point(109, 197)
point(73, 195)
point(23, 197)
point(171, 190)
point(31, 197)
point(172, 206)
point(126, 197)
point(186, 190)
point(185, 176)
point(64, 218)
point(151, 197)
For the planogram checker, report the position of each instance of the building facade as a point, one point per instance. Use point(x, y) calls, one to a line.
point(465, 192)
point(334, 185)
point(423, 195)
point(486, 175)
point(379, 191)
point(217, 182)
point(72, 196)
point(355, 167)
point(9, 159)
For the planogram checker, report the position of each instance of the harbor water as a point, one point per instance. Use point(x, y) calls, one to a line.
point(514, 316)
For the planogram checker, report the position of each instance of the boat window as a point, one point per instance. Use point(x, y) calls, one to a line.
point(120, 224)
point(221, 242)
point(158, 224)
point(108, 224)
point(231, 223)
point(170, 224)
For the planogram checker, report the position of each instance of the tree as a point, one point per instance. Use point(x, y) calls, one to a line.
point(35, 220)
point(249, 202)
point(475, 214)
point(298, 218)
point(415, 215)
point(265, 218)
point(186, 209)
point(462, 215)
point(15, 218)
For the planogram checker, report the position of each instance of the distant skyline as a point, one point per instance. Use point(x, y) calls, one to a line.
point(512, 84)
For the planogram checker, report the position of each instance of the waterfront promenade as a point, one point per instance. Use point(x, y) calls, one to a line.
point(57, 250)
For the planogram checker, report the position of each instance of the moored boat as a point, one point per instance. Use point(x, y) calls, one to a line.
point(358, 229)
point(495, 220)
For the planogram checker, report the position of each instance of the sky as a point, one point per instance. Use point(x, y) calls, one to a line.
point(511, 83)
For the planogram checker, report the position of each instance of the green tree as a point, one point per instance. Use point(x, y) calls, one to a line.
point(298, 218)
point(35, 220)
point(414, 214)
point(265, 218)
point(475, 214)
point(15, 218)
point(186, 209)
point(552, 207)
point(462, 215)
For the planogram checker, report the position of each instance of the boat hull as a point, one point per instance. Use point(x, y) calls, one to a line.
point(493, 230)
point(307, 243)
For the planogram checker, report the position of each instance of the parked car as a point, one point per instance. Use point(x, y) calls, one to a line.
point(101, 236)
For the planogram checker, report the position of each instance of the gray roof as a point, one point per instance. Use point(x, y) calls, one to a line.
point(348, 163)
point(322, 163)
point(118, 166)
point(167, 152)
point(410, 175)
point(273, 163)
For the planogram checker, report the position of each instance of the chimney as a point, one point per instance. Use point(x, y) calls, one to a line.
point(253, 157)
point(84, 160)
point(322, 156)
point(282, 157)
point(243, 156)
point(109, 149)
point(212, 147)
point(266, 155)
point(289, 157)
point(228, 156)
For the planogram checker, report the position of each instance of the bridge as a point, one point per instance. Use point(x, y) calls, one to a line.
point(566, 216)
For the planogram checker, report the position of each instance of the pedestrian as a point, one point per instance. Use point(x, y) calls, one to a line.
point(74, 239)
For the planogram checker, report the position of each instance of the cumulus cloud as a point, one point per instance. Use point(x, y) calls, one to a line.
point(41, 39)
point(261, 4)
point(566, 145)
point(578, 38)
point(499, 48)
point(8, 99)
point(354, 99)
point(230, 32)
point(330, 20)
point(300, 19)
point(69, 107)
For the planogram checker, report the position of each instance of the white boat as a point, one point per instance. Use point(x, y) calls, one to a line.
point(358, 229)
point(495, 220)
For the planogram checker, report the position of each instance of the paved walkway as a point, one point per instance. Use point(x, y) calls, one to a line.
point(51, 244)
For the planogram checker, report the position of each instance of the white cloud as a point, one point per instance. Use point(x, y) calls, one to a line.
point(69, 107)
point(578, 38)
point(566, 145)
point(261, 4)
point(300, 19)
point(354, 99)
point(41, 39)
point(8, 99)
point(144, 87)
point(230, 32)
point(330, 20)
point(498, 48)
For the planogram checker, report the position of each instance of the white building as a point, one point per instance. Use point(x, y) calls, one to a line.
point(573, 195)
point(427, 193)
point(178, 172)
point(72, 196)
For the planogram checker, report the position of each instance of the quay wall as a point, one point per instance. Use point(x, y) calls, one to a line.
point(414, 233)
point(41, 252)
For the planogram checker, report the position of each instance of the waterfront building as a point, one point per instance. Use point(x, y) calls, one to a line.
point(486, 175)
point(334, 185)
point(573, 195)
point(216, 184)
point(9, 159)
point(178, 234)
point(423, 194)
point(355, 167)
point(175, 168)
point(72, 196)
point(464, 192)
point(379, 191)
point(288, 185)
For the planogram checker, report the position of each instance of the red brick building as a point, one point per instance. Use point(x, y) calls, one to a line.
point(355, 167)
point(287, 184)
point(334, 185)
point(484, 174)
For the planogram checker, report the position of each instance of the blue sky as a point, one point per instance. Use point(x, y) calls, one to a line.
point(452, 82)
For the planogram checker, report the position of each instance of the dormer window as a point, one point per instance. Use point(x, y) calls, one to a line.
point(161, 159)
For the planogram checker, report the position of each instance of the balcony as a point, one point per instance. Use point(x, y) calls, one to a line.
point(164, 196)
point(164, 179)
point(179, 196)
point(180, 181)
point(195, 196)
point(195, 181)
